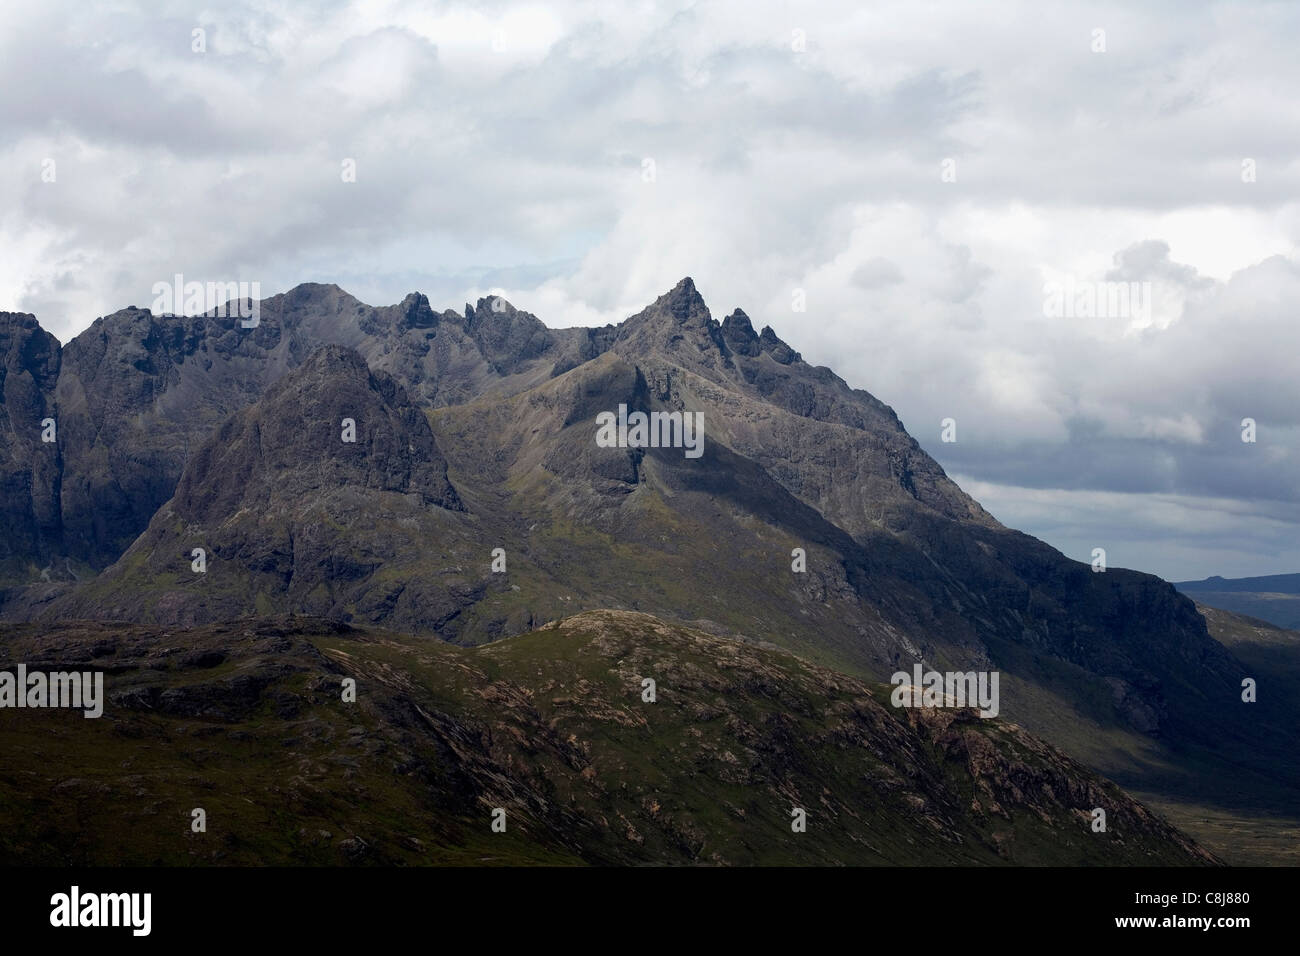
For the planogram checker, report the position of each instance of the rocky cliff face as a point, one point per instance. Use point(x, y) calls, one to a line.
point(330, 423)
point(326, 496)
point(30, 468)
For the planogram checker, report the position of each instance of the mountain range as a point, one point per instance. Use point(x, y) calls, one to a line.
point(1273, 597)
point(473, 520)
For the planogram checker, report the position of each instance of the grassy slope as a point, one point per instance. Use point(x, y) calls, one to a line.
point(246, 721)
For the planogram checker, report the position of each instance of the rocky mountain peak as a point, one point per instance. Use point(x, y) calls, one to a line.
point(684, 304)
point(678, 322)
point(506, 337)
point(486, 308)
point(417, 313)
point(772, 344)
point(307, 291)
point(738, 332)
point(26, 347)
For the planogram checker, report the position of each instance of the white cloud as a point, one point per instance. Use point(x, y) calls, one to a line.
point(501, 145)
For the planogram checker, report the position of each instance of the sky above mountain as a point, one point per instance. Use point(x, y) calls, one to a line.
point(894, 190)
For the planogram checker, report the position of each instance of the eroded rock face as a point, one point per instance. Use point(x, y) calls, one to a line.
point(330, 423)
point(30, 469)
point(325, 495)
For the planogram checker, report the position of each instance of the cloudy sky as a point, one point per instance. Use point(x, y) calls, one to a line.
point(906, 192)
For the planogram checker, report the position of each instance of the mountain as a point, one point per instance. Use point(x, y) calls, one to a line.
point(1274, 598)
point(136, 393)
point(486, 439)
point(247, 722)
point(286, 511)
point(30, 518)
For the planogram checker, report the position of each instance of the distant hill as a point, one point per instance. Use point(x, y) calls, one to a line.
point(1274, 598)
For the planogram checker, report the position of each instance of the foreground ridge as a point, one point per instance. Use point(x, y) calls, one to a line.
point(740, 755)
